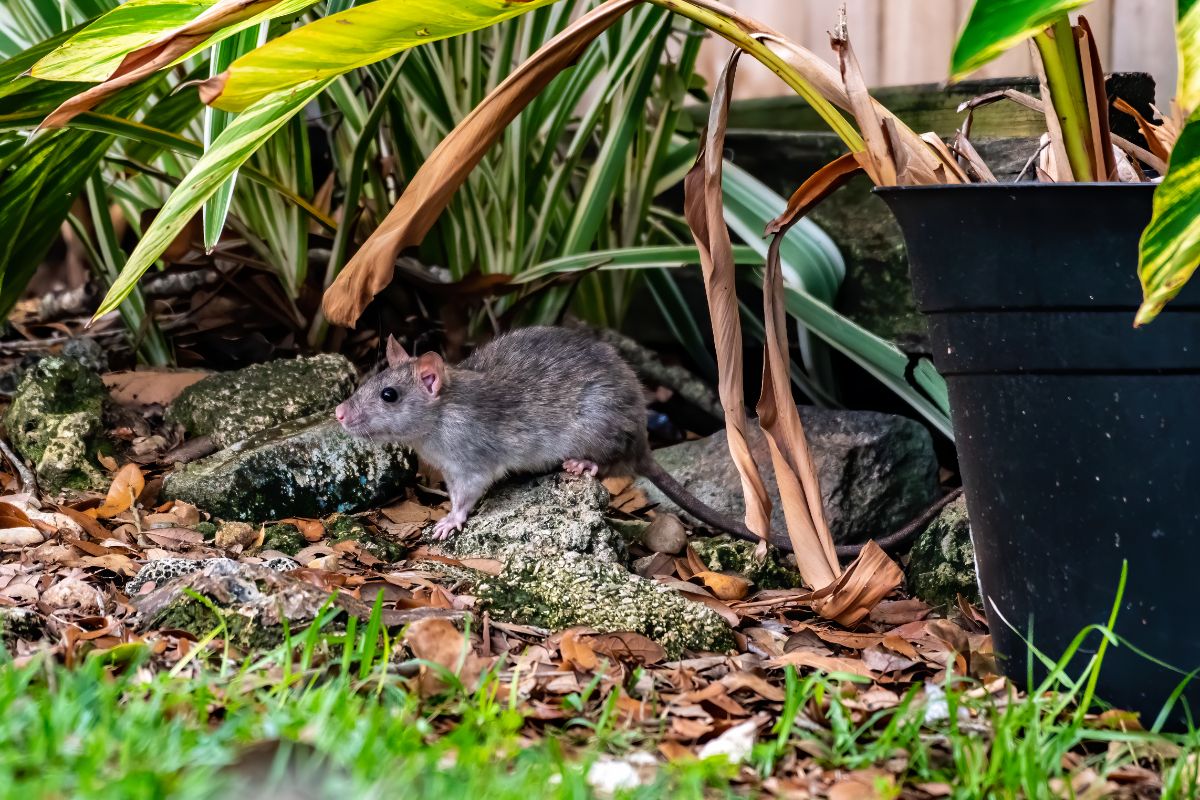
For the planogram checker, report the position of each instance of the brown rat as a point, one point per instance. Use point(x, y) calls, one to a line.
point(530, 401)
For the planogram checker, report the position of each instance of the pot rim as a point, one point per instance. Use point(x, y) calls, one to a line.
point(1009, 187)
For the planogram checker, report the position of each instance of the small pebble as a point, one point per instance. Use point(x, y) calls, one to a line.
point(666, 534)
point(231, 534)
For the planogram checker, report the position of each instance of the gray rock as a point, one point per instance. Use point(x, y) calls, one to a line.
point(559, 590)
point(555, 512)
point(942, 563)
point(56, 422)
point(877, 472)
point(230, 406)
point(305, 468)
point(86, 351)
point(251, 602)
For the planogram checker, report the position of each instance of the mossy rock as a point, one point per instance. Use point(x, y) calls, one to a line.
point(942, 563)
point(343, 528)
point(559, 590)
point(230, 406)
point(306, 468)
point(284, 537)
point(20, 623)
point(726, 554)
point(56, 421)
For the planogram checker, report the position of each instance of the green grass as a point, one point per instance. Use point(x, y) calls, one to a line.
point(337, 714)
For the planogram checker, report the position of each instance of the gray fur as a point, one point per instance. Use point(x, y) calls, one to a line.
point(526, 402)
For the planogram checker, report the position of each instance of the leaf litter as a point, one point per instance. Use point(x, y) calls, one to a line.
point(73, 578)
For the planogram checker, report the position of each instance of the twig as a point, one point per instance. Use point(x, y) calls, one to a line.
point(24, 473)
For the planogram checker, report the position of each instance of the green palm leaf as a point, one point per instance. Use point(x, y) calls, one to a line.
point(997, 25)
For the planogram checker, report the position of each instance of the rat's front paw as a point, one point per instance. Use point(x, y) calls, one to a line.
point(445, 527)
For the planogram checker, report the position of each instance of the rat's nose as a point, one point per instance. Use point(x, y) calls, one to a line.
point(340, 412)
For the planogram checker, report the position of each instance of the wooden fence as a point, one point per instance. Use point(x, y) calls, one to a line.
point(909, 41)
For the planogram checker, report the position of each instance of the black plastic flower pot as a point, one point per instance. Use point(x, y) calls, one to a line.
point(1077, 434)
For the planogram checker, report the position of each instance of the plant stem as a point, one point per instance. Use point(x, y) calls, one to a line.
point(1060, 59)
point(724, 26)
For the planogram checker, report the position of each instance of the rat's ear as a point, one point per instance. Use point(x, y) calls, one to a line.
point(431, 373)
point(395, 352)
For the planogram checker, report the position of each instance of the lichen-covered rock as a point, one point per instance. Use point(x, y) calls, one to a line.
point(164, 570)
point(305, 468)
point(56, 421)
point(251, 602)
point(342, 528)
point(230, 406)
point(20, 623)
point(942, 563)
point(550, 512)
point(726, 554)
point(560, 590)
point(877, 472)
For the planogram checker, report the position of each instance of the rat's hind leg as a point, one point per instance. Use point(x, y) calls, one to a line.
point(579, 466)
point(464, 494)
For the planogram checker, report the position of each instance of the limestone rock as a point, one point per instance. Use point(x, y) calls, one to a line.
point(877, 472)
point(163, 570)
point(559, 590)
point(20, 623)
point(556, 512)
point(56, 421)
point(253, 601)
point(232, 534)
point(305, 468)
point(942, 563)
point(230, 406)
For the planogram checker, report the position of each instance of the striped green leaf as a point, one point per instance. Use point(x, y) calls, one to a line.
point(354, 38)
point(216, 208)
point(1188, 35)
point(997, 25)
point(1170, 249)
point(228, 152)
point(95, 52)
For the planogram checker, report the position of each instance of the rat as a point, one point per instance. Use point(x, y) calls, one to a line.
point(530, 401)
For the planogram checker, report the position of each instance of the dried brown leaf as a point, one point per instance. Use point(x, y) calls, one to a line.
point(877, 159)
point(703, 208)
point(804, 658)
point(725, 586)
point(435, 183)
point(816, 188)
point(627, 646)
point(146, 387)
point(871, 577)
point(576, 653)
point(438, 641)
point(127, 484)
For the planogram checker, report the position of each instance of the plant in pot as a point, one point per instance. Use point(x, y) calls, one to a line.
point(1073, 428)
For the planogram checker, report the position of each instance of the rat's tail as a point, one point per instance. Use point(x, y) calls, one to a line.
point(689, 502)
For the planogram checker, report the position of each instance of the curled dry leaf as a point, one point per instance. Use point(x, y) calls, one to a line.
point(703, 200)
point(576, 652)
point(127, 484)
point(870, 578)
point(725, 586)
point(311, 529)
point(13, 517)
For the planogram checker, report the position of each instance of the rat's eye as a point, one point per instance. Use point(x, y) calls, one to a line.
point(389, 395)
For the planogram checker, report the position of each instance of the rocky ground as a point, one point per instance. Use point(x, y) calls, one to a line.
point(179, 509)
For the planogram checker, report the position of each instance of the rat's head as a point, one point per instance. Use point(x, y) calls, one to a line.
point(401, 401)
